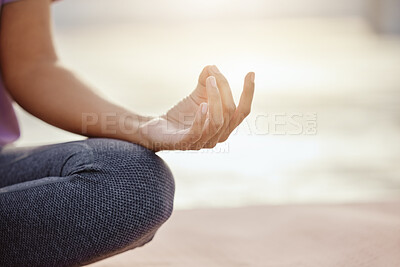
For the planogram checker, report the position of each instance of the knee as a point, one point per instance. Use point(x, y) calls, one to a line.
point(138, 182)
point(118, 196)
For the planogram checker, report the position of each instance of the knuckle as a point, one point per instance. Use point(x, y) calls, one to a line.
point(203, 145)
point(223, 138)
point(207, 67)
point(210, 144)
point(246, 111)
point(229, 110)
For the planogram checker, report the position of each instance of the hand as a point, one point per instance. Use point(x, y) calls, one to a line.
point(204, 118)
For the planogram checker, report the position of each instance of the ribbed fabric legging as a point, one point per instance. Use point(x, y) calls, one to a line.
point(75, 203)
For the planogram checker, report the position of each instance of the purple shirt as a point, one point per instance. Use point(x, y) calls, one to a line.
point(9, 130)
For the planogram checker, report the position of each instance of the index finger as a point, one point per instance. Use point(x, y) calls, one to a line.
point(224, 89)
point(216, 117)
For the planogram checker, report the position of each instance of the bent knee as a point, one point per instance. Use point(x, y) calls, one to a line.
point(139, 182)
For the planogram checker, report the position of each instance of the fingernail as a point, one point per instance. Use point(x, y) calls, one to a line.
point(204, 108)
point(213, 81)
point(252, 77)
point(214, 69)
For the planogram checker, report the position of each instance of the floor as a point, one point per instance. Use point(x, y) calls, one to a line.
point(285, 236)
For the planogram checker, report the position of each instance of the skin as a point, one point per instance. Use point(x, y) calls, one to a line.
point(39, 83)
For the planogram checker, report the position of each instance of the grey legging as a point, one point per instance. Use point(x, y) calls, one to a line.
point(75, 203)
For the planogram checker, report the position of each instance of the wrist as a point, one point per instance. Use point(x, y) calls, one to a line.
point(143, 136)
point(131, 128)
point(146, 135)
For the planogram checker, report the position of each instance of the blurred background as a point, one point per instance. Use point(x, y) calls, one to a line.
point(331, 66)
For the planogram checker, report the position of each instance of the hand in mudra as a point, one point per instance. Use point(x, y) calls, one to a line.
point(204, 118)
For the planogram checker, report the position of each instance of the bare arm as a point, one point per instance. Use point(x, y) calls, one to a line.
point(39, 83)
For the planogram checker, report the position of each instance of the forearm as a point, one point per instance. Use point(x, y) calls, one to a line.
point(55, 95)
